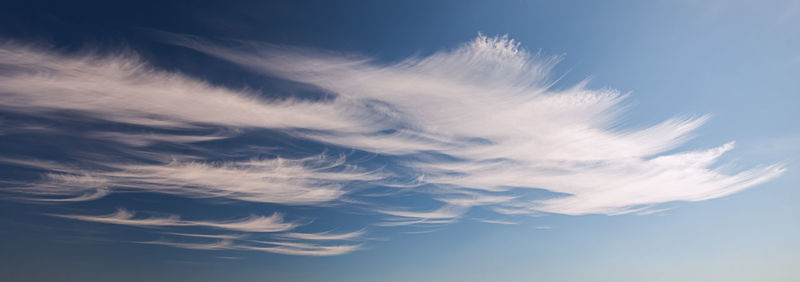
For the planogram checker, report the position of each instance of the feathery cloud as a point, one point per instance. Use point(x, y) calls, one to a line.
point(285, 181)
point(478, 126)
point(490, 106)
point(273, 223)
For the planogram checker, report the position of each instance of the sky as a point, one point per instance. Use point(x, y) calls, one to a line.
point(399, 141)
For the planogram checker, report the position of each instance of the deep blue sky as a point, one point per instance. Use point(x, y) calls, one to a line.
point(736, 61)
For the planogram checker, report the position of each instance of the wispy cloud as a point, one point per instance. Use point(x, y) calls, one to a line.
point(212, 236)
point(122, 88)
point(285, 181)
point(214, 246)
point(445, 214)
point(290, 248)
point(278, 247)
point(495, 221)
point(273, 223)
point(324, 236)
point(479, 126)
point(490, 105)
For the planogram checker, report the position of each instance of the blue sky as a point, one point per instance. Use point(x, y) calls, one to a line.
point(367, 141)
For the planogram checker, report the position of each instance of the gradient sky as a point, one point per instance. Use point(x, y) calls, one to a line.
point(399, 141)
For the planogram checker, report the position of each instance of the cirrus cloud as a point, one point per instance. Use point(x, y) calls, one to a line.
point(482, 125)
point(491, 107)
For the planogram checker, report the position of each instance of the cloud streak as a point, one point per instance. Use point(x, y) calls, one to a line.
point(312, 180)
point(482, 126)
point(297, 249)
point(490, 106)
point(273, 223)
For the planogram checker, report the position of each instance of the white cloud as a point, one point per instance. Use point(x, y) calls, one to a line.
point(614, 187)
point(278, 247)
point(491, 106)
point(213, 236)
point(323, 236)
point(146, 139)
point(303, 249)
point(442, 215)
point(215, 246)
point(122, 88)
point(272, 223)
point(305, 181)
point(481, 123)
point(471, 199)
point(495, 221)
